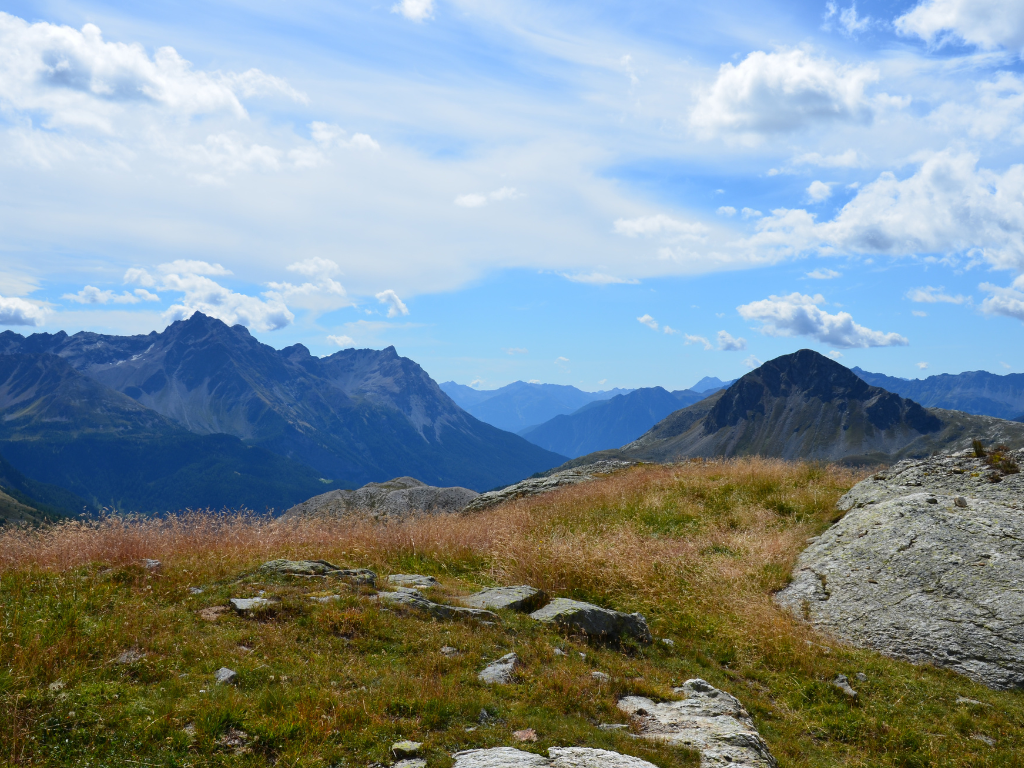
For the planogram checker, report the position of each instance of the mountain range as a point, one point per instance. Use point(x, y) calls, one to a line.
point(141, 420)
point(807, 406)
point(977, 392)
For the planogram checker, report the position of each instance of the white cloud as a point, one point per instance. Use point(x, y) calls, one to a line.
point(341, 341)
point(649, 321)
point(92, 295)
point(922, 366)
point(819, 191)
point(328, 135)
point(847, 159)
point(474, 200)
point(661, 225)
point(752, 362)
point(75, 78)
point(15, 311)
point(835, 355)
point(984, 23)
point(697, 340)
point(799, 315)
point(824, 274)
point(192, 268)
point(1007, 366)
point(726, 210)
point(783, 91)
point(561, 360)
point(918, 313)
point(848, 20)
point(415, 10)
point(947, 207)
point(1008, 302)
point(395, 305)
point(750, 213)
point(932, 295)
point(727, 343)
point(599, 278)
point(322, 293)
point(670, 330)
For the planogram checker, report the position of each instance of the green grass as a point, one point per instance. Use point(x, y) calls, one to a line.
point(698, 549)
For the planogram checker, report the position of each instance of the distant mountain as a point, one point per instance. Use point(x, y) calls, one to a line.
point(807, 406)
point(609, 423)
point(354, 417)
point(711, 384)
point(520, 404)
point(63, 429)
point(26, 501)
point(978, 392)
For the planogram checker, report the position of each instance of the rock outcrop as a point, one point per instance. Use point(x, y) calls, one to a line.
point(926, 566)
point(534, 486)
point(410, 598)
point(559, 757)
point(521, 598)
point(399, 497)
point(320, 568)
point(501, 671)
point(708, 720)
point(594, 621)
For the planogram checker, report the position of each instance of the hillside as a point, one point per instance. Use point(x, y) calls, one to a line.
point(977, 392)
point(807, 406)
point(608, 423)
point(522, 404)
point(25, 500)
point(355, 416)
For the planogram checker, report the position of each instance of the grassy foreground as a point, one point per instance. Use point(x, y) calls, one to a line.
point(697, 548)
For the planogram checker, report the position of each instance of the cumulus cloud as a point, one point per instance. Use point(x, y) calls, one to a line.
point(76, 78)
point(986, 24)
point(752, 362)
point(846, 19)
point(726, 210)
point(92, 295)
point(662, 226)
point(341, 341)
point(396, 306)
point(922, 366)
point(918, 313)
point(415, 10)
point(824, 274)
point(15, 311)
point(649, 321)
point(474, 200)
point(328, 135)
point(931, 295)
point(948, 207)
point(320, 293)
point(727, 343)
point(835, 355)
point(689, 339)
point(599, 278)
point(670, 330)
point(819, 191)
point(800, 315)
point(847, 159)
point(1008, 302)
point(750, 213)
point(179, 266)
point(784, 91)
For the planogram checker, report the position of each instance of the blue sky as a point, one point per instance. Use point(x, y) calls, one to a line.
point(601, 194)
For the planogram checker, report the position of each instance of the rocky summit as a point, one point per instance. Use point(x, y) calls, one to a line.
point(549, 481)
point(926, 565)
point(399, 497)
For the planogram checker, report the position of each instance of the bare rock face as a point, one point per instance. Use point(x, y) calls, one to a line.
point(410, 598)
point(399, 497)
point(534, 486)
point(320, 568)
point(559, 757)
point(926, 566)
point(521, 598)
point(708, 720)
point(594, 621)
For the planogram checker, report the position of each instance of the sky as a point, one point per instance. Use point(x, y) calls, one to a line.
point(604, 194)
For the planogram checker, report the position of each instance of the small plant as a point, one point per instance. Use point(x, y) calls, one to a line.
point(979, 449)
point(1001, 460)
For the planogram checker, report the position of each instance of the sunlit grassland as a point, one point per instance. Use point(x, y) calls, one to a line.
point(697, 548)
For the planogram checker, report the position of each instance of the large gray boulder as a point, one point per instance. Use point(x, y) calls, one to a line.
point(410, 598)
point(521, 598)
point(926, 566)
point(400, 497)
point(535, 486)
point(559, 757)
point(708, 720)
point(594, 621)
point(500, 671)
point(320, 568)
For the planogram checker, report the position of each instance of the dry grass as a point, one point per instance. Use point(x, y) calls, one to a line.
point(699, 548)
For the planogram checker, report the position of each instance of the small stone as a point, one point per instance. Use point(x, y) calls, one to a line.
point(594, 621)
point(235, 739)
point(668, 641)
point(449, 652)
point(527, 734)
point(932, 500)
point(413, 580)
point(247, 604)
point(971, 702)
point(499, 672)
point(413, 763)
point(405, 749)
point(559, 652)
point(843, 684)
point(600, 677)
point(212, 613)
point(225, 676)
point(484, 717)
point(983, 739)
point(150, 565)
point(195, 590)
point(862, 677)
point(130, 656)
point(612, 726)
point(325, 598)
point(960, 501)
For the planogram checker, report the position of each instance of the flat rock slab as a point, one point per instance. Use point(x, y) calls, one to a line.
point(320, 568)
point(535, 486)
point(410, 598)
point(397, 498)
point(248, 604)
point(559, 757)
point(921, 578)
point(708, 720)
point(593, 620)
point(499, 672)
point(522, 598)
point(413, 580)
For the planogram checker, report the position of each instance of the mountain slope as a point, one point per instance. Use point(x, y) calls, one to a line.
point(25, 500)
point(63, 429)
point(807, 406)
point(522, 404)
point(608, 423)
point(356, 416)
point(977, 392)
point(710, 384)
